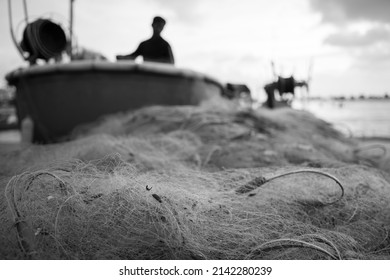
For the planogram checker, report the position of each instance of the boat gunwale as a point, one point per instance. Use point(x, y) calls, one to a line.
point(149, 68)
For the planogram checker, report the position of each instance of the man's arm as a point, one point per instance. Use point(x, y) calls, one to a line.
point(133, 55)
point(170, 53)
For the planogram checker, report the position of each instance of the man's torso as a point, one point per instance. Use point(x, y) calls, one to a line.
point(155, 49)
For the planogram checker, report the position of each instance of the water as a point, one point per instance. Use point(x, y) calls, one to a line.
point(359, 118)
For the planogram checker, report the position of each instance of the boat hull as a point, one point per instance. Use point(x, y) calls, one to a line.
point(60, 97)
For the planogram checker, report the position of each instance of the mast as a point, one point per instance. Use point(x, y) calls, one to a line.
point(25, 11)
point(13, 36)
point(71, 29)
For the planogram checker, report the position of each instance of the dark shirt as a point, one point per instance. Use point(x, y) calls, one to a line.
point(155, 49)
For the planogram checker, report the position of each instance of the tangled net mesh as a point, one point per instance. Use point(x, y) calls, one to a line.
point(198, 185)
point(107, 209)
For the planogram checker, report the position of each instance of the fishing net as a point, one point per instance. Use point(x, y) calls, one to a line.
point(108, 209)
point(195, 183)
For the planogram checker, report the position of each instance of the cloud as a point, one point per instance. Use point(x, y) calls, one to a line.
point(362, 30)
point(370, 50)
point(374, 36)
point(341, 11)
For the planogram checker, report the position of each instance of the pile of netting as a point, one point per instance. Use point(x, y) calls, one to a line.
point(182, 183)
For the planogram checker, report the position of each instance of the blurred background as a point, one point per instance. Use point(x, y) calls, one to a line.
point(341, 46)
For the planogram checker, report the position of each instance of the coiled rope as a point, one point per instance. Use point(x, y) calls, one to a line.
point(44, 39)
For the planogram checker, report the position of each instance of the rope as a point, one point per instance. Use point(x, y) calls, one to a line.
point(14, 40)
point(259, 181)
point(25, 11)
point(36, 37)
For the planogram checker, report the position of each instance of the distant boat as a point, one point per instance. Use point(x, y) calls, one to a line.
point(59, 97)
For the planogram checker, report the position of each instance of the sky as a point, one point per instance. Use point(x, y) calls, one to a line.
point(342, 46)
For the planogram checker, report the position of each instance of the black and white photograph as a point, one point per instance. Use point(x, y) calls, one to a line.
point(195, 130)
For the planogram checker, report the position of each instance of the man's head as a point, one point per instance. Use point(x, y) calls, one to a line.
point(158, 25)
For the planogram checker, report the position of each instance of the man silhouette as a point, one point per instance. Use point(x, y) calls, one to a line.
point(154, 49)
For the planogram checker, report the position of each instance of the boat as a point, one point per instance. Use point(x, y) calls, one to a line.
point(60, 97)
point(55, 97)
